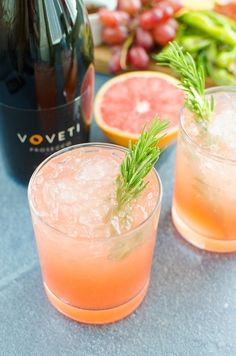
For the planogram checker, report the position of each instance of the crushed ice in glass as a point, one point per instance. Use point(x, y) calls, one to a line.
point(220, 135)
point(75, 192)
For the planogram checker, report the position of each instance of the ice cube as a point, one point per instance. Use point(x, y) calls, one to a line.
point(222, 131)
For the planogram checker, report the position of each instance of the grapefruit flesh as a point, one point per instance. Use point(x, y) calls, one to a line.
point(128, 102)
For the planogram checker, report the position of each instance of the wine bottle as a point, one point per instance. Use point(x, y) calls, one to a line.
point(46, 80)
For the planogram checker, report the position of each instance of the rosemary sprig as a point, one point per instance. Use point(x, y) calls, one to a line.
point(192, 79)
point(137, 163)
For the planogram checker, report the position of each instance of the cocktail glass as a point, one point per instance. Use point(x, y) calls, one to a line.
point(204, 203)
point(95, 262)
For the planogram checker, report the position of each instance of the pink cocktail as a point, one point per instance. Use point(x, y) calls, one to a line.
point(95, 261)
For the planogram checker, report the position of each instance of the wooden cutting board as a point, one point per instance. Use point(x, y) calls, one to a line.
point(103, 54)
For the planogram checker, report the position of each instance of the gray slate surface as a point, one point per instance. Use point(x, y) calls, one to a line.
point(190, 308)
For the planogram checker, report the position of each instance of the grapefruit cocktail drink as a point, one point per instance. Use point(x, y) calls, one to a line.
point(95, 261)
point(204, 204)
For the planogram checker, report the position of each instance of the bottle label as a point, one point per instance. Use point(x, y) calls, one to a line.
point(29, 136)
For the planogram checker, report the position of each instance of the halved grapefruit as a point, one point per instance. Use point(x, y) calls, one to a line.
point(127, 102)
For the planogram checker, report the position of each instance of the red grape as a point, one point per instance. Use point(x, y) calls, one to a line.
point(110, 18)
point(176, 5)
point(138, 57)
point(155, 2)
point(164, 33)
point(132, 7)
point(144, 39)
point(114, 64)
point(151, 18)
point(167, 9)
point(113, 36)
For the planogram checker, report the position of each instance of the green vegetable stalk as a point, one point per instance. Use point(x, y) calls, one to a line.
point(225, 58)
point(211, 40)
point(202, 21)
point(194, 43)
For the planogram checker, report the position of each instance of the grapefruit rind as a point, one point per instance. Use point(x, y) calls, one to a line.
point(122, 137)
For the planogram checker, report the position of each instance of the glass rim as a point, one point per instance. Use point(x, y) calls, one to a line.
point(212, 90)
point(92, 144)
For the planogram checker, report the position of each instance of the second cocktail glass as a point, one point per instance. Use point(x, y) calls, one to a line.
point(204, 204)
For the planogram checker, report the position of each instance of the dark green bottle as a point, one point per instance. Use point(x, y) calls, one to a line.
point(46, 80)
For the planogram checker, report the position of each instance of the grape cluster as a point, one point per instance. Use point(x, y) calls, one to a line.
point(135, 28)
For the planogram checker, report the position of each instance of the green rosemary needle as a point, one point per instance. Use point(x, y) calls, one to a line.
point(137, 163)
point(192, 79)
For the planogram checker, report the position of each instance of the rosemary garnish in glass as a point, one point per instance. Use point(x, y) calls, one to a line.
point(192, 78)
point(137, 163)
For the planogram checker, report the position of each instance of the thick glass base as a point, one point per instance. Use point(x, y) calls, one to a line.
point(200, 241)
point(97, 316)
